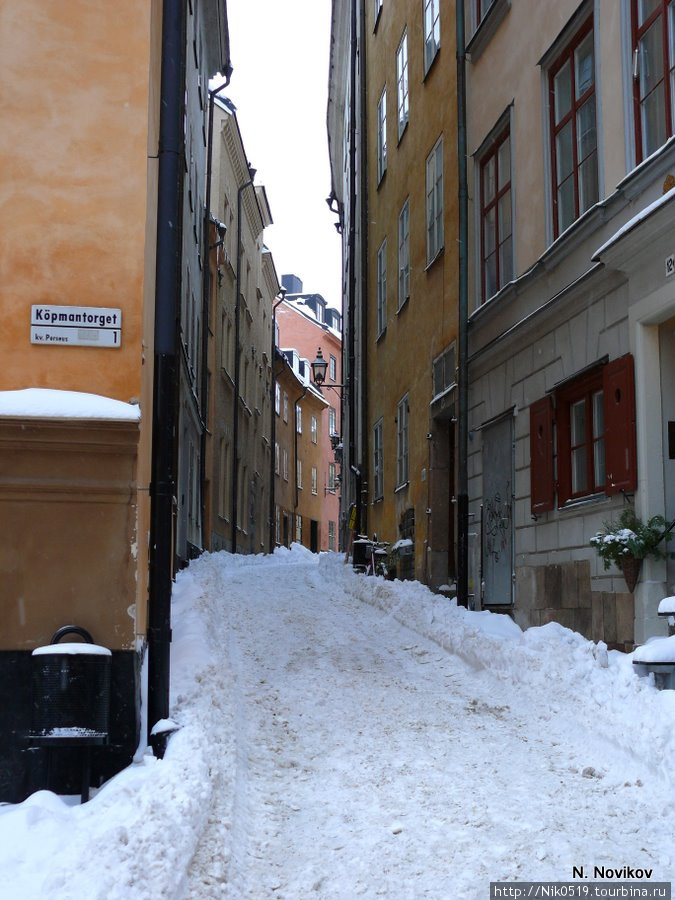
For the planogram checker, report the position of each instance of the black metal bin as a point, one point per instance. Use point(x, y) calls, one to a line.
point(71, 696)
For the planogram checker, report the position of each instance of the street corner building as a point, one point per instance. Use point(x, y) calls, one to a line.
point(101, 249)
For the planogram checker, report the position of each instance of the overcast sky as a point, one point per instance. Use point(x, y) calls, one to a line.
point(279, 51)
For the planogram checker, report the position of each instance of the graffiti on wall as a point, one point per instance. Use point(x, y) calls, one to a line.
point(497, 518)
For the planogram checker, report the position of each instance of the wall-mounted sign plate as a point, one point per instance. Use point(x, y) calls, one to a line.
point(76, 326)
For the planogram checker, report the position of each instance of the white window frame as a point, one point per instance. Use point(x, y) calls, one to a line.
point(382, 287)
point(382, 135)
point(432, 32)
point(298, 473)
point(404, 254)
point(284, 457)
point(332, 368)
point(402, 86)
point(378, 460)
point(314, 428)
point(298, 418)
point(332, 472)
point(332, 421)
point(315, 480)
point(285, 407)
point(402, 448)
point(434, 201)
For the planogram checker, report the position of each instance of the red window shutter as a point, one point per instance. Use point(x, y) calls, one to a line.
point(542, 488)
point(618, 385)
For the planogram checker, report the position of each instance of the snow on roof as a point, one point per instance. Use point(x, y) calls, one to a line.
point(658, 650)
point(632, 223)
point(42, 403)
point(667, 606)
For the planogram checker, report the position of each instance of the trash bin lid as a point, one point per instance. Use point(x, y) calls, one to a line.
point(72, 649)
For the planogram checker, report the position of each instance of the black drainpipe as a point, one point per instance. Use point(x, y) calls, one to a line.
point(364, 463)
point(463, 306)
point(237, 377)
point(351, 287)
point(167, 314)
point(273, 426)
point(295, 452)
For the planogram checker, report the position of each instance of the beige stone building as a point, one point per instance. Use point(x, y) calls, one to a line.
point(244, 288)
point(572, 298)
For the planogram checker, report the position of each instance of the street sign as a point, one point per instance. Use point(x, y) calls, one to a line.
point(76, 326)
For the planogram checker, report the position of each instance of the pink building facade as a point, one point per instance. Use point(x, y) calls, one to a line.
point(305, 324)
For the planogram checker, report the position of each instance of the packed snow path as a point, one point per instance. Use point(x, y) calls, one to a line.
point(368, 761)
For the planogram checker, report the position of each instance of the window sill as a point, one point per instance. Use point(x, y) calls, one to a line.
point(379, 499)
point(403, 305)
point(381, 335)
point(402, 131)
point(380, 180)
point(487, 28)
point(431, 64)
point(590, 500)
point(401, 487)
point(435, 259)
point(377, 20)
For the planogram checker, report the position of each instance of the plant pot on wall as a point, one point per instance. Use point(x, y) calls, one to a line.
point(631, 571)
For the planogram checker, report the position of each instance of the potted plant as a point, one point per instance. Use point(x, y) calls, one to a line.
point(627, 541)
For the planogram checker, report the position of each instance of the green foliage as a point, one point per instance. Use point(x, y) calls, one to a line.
point(629, 537)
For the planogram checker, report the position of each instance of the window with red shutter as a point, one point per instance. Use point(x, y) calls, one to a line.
point(542, 488)
point(594, 437)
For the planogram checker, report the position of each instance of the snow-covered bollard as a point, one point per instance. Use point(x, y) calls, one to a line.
point(658, 657)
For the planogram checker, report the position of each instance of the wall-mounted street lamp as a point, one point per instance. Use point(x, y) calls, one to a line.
point(319, 368)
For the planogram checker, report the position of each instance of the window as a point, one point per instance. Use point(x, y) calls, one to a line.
point(314, 480)
point(653, 23)
point(331, 535)
point(402, 442)
point(298, 473)
point(298, 418)
point(276, 457)
point(402, 101)
point(443, 371)
point(314, 429)
point(332, 368)
point(496, 253)
point(482, 8)
point(382, 135)
point(378, 472)
point(277, 399)
point(285, 407)
point(432, 31)
point(377, 8)
point(574, 146)
point(435, 202)
point(404, 254)
point(590, 421)
point(331, 477)
point(284, 457)
point(382, 287)
point(332, 421)
point(298, 529)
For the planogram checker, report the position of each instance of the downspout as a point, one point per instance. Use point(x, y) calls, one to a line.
point(206, 306)
point(295, 450)
point(273, 427)
point(351, 287)
point(463, 308)
point(165, 393)
point(237, 376)
point(364, 463)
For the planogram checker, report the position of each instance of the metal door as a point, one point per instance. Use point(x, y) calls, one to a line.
point(497, 516)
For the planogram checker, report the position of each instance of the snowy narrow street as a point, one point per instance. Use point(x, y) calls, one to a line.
point(371, 762)
point(342, 736)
